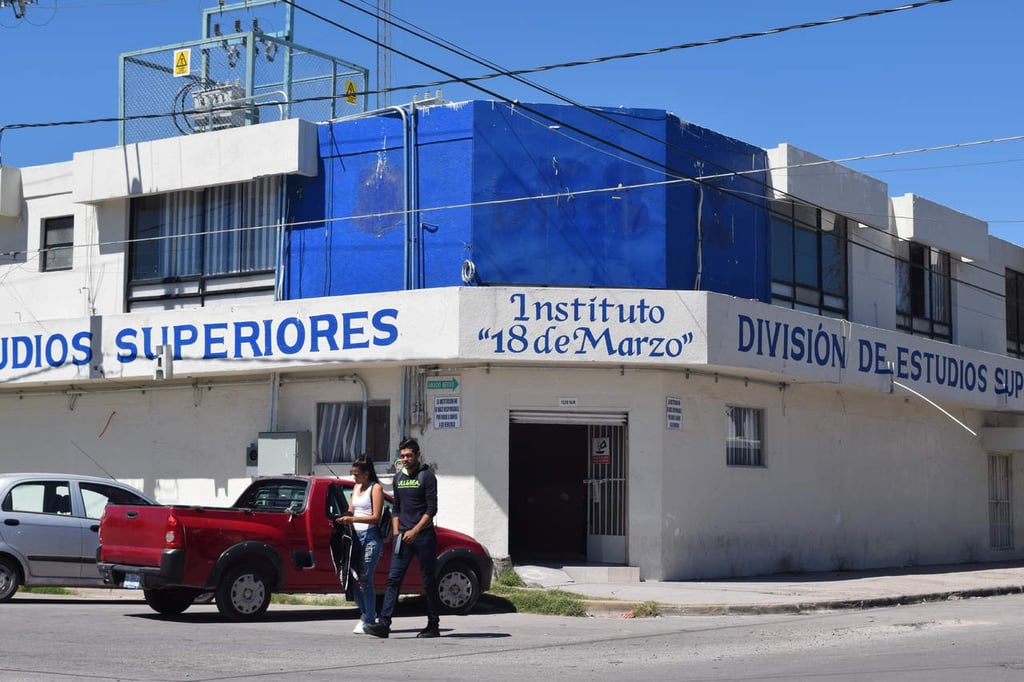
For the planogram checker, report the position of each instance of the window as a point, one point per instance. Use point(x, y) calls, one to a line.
point(215, 231)
point(1000, 504)
point(809, 259)
point(274, 495)
point(58, 243)
point(1015, 313)
point(923, 291)
point(743, 436)
point(340, 433)
point(49, 497)
point(96, 496)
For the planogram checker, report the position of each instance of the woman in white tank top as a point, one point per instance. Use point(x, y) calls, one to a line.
point(364, 512)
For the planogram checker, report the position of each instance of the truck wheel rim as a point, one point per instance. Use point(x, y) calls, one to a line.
point(455, 589)
point(247, 594)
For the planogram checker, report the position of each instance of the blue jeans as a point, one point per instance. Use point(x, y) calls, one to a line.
point(366, 549)
point(425, 548)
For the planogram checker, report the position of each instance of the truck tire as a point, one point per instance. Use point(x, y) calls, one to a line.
point(10, 578)
point(244, 592)
point(170, 601)
point(458, 587)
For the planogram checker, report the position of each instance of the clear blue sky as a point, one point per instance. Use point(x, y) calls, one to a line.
point(944, 74)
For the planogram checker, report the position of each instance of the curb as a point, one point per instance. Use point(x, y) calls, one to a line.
point(607, 608)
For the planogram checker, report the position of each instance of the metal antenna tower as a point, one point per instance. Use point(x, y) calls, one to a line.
point(383, 53)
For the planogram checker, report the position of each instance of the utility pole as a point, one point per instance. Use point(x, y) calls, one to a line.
point(17, 5)
point(383, 53)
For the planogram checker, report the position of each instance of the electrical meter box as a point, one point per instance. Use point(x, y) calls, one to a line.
point(285, 452)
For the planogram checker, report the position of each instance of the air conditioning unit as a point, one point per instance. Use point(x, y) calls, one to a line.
point(284, 452)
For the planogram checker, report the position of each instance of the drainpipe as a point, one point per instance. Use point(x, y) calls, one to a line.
point(366, 399)
point(409, 252)
point(275, 389)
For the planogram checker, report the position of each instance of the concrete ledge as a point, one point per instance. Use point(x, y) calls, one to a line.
point(603, 574)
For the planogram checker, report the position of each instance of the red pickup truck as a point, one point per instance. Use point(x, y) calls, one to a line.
point(275, 538)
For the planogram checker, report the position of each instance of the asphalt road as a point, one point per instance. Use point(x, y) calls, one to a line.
point(75, 639)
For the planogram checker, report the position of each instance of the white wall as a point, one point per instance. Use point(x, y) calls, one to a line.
point(94, 285)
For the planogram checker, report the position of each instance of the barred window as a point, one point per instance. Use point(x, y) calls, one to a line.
point(744, 429)
point(1000, 502)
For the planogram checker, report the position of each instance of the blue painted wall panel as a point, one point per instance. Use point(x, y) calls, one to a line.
point(733, 239)
point(445, 183)
point(556, 225)
point(529, 198)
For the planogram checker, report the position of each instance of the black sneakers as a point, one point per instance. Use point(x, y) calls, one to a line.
point(432, 630)
point(377, 630)
point(384, 631)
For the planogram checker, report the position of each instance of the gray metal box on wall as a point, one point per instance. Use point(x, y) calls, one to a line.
point(285, 452)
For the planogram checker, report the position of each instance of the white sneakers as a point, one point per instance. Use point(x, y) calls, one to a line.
point(358, 629)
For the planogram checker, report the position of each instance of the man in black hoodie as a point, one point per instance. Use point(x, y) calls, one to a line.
point(414, 509)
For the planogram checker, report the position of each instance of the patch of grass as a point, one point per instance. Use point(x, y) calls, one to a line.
point(47, 590)
point(508, 578)
point(646, 609)
point(544, 602)
point(310, 599)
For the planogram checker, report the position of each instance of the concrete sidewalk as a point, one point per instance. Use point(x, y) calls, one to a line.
point(790, 593)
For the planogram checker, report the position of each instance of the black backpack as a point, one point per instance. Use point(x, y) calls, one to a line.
point(385, 525)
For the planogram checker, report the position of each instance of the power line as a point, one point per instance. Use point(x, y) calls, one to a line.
point(661, 50)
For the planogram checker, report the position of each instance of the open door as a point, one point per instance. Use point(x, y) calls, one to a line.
point(567, 487)
point(547, 500)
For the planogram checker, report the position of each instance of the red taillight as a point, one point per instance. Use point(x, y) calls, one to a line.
point(173, 538)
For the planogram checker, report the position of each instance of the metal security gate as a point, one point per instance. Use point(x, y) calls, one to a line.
point(606, 494)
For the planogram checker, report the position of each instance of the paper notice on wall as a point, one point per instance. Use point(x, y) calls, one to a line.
point(447, 411)
point(673, 413)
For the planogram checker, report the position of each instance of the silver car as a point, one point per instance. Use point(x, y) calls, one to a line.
point(48, 528)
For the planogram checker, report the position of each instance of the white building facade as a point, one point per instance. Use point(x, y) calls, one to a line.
point(686, 434)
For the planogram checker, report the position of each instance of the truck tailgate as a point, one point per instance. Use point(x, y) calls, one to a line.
point(133, 535)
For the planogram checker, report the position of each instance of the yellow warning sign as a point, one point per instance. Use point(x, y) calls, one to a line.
point(182, 58)
point(350, 92)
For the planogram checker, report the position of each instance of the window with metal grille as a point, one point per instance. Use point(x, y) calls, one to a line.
point(744, 429)
point(809, 269)
point(339, 428)
point(1000, 504)
point(923, 291)
point(1015, 313)
point(58, 243)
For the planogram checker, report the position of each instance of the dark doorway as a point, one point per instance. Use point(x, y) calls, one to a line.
point(547, 496)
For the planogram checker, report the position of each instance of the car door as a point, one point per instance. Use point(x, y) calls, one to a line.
point(38, 522)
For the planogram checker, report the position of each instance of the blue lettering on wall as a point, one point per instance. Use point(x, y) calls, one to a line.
point(263, 338)
point(593, 326)
point(242, 339)
point(812, 345)
point(45, 350)
point(824, 348)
